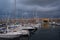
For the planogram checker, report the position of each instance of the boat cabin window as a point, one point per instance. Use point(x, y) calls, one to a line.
point(2, 25)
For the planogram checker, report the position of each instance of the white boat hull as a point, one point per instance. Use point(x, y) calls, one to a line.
point(10, 35)
point(14, 34)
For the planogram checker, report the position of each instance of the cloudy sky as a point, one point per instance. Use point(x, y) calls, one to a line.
point(40, 8)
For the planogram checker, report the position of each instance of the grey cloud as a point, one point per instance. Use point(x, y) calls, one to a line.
point(36, 7)
point(27, 5)
point(43, 7)
point(37, 2)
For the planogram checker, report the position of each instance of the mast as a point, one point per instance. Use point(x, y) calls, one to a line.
point(36, 15)
point(15, 10)
point(22, 14)
point(8, 18)
point(33, 14)
point(36, 12)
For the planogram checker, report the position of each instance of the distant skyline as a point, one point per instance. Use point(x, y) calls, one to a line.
point(43, 8)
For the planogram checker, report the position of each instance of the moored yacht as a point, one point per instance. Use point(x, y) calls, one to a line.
point(12, 32)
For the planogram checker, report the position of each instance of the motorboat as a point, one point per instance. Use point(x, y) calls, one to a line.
point(52, 23)
point(12, 32)
point(57, 24)
point(28, 27)
point(38, 25)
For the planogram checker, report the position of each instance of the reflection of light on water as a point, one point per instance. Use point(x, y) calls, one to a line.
point(53, 26)
point(45, 26)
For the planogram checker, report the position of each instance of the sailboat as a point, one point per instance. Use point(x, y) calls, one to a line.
point(11, 31)
point(38, 23)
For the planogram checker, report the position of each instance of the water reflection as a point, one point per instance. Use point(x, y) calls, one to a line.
point(53, 33)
